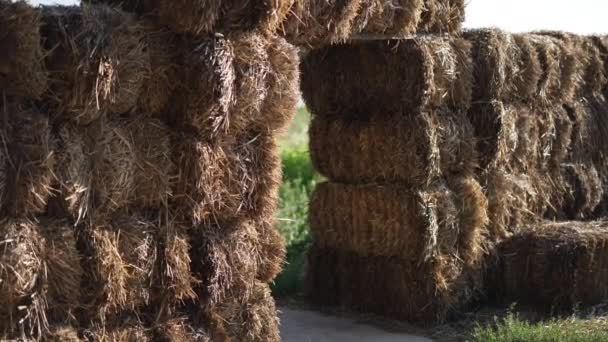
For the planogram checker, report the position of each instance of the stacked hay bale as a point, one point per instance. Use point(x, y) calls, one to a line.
point(400, 227)
point(439, 148)
point(138, 177)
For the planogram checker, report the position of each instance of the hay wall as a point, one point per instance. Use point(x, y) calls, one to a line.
point(388, 77)
point(126, 214)
point(553, 265)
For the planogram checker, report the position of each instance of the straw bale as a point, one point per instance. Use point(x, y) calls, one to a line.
point(137, 6)
point(180, 330)
point(130, 331)
point(97, 62)
point(414, 151)
point(159, 81)
point(514, 199)
point(601, 43)
point(63, 334)
point(176, 279)
point(229, 260)
point(123, 256)
point(388, 286)
point(75, 169)
point(29, 159)
point(283, 94)
point(391, 221)
point(228, 181)
point(585, 71)
point(317, 22)
point(395, 17)
point(442, 16)
point(22, 72)
point(506, 66)
point(22, 279)
point(561, 71)
point(396, 77)
point(198, 17)
point(63, 269)
point(553, 265)
point(582, 192)
point(209, 77)
point(247, 319)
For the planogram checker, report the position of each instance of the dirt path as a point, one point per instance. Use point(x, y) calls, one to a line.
point(310, 326)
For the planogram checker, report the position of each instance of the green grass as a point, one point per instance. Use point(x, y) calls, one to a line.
point(299, 180)
point(513, 329)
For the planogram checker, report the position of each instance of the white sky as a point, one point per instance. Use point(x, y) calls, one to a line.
point(578, 16)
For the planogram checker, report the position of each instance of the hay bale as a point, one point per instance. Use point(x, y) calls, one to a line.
point(198, 17)
point(180, 329)
point(442, 16)
point(209, 90)
point(505, 66)
point(176, 279)
point(582, 192)
point(159, 84)
point(585, 69)
point(413, 225)
point(97, 62)
point(514, 199)
point(75, 170)
point(63, 269)
point(553, 266)
point(389, 286)
point(63, 334)
point(22, 279)
point(251, 318)
point(396, 77)
point(123, 254)
point(227, 181)
point(283, 86)
point(318, 22)
point(127, 330)
point(22, 72)
point(415, 151)
point(396, 17)
point(229, 260)
point(28, 158)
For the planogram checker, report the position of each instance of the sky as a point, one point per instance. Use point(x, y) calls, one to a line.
point(577, 16)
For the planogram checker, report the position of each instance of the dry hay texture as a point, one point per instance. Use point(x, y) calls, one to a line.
point(412, 151)
point(313, 23)
point(227, 181)
point(387, 286)
point(40, 276)
point(415, 225)
point(388, 77)
point(412, 249)
point(97, 60)
point(22, 71)
point(27, 159)
point(113, 164)
point(229, 260)
point(234, 85)
point(248, 319)
point(553, 265)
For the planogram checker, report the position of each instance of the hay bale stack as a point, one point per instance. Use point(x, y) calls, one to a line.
point(97, 60)
point(22, 71)
point(388, 77)
point(553, 265)
point(314, 23)
point(429, 241)
point(138, 188)
point(414, 151)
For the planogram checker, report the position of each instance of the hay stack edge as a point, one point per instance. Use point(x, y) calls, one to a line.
point(139, 175)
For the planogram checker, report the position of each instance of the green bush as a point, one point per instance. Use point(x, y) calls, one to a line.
point(512, 329)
